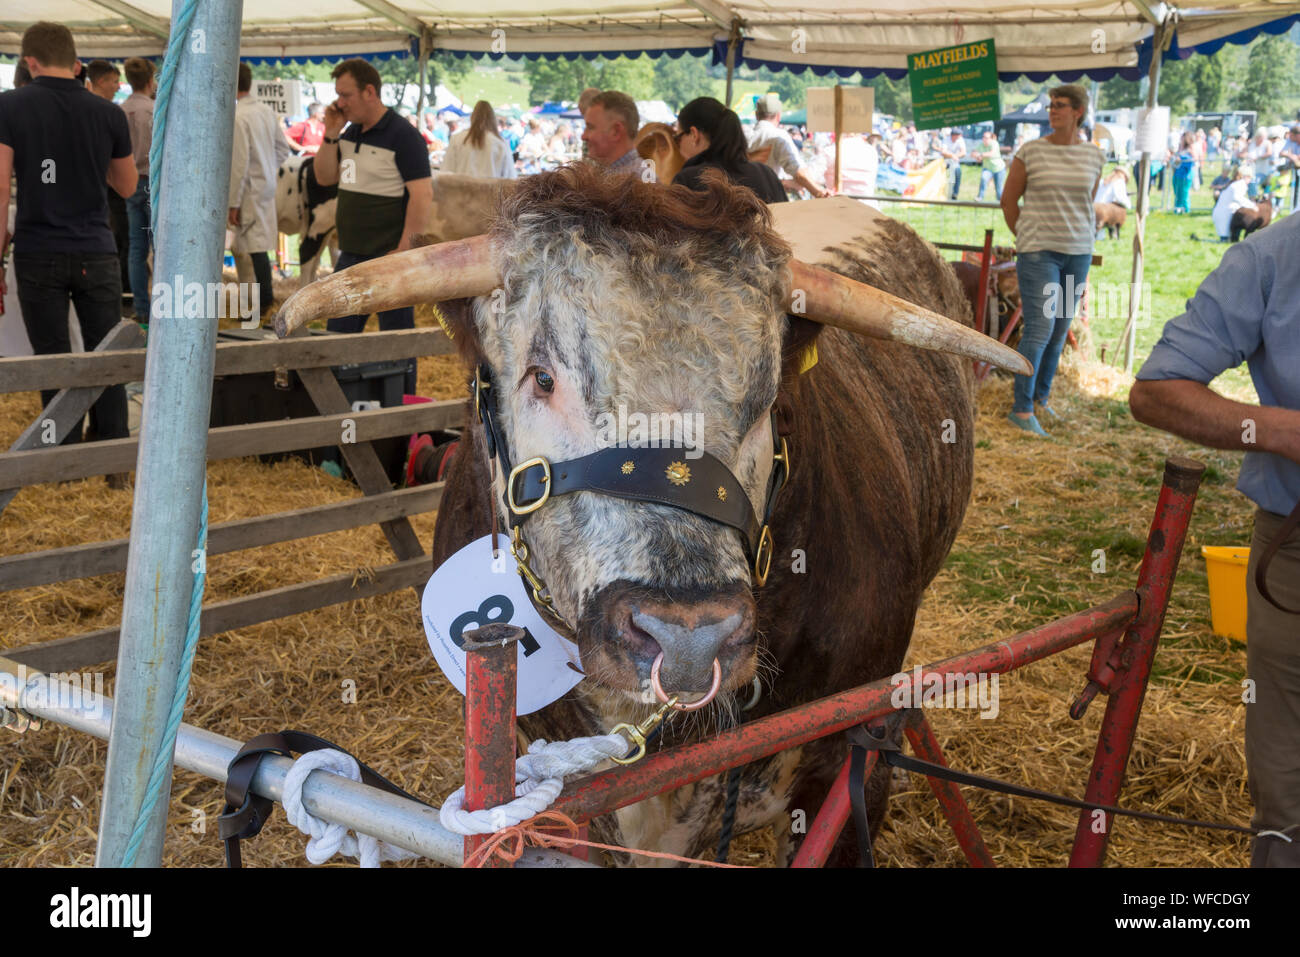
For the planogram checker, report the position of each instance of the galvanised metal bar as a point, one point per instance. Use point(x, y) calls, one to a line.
point(1182, 478)
point(926, 747)
point(829, 822)
point(491, 658)
point(171, 467)
point(394, 820)
point(593, 795)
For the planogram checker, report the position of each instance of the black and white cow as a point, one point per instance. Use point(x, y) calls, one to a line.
point(306, 209)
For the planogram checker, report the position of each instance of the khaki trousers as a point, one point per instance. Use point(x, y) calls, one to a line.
point(1273, 721)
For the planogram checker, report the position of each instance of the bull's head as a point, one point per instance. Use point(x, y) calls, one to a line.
point(602, 298)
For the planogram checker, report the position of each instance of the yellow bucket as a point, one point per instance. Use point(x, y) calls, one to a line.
point(1225, 565)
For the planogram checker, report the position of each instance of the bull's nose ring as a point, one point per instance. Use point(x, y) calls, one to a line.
point(694, 705)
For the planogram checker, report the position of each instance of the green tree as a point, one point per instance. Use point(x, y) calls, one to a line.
point(1178, 86)
point(679, 81)
point(893, 97)
point(563, 80)
point(1209, 76)
point(1117, 93)
point(1270, 78)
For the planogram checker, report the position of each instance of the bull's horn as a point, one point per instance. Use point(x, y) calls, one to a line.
point(451, 270)
point(836, 300)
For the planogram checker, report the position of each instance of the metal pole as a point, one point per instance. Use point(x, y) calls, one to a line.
point(171, 466)
point(491, 655)
point(330, 797)
point(425, 44)
point(592, 795)
point(731, 56)
point(926, 747)
point(830, 820)
point(1124, 706)
point(1143, 204)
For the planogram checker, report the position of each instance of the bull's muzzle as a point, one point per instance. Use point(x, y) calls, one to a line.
point(689, 645)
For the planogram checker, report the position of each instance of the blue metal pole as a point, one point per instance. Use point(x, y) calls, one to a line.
point(172, 464)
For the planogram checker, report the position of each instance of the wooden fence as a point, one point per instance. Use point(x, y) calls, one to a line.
point(120, 358)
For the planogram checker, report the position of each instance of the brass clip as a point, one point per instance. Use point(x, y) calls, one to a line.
point(637, 733)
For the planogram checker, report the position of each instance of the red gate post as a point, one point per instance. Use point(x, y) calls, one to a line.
point(826, 826)
point(926, 747)
point(1155, 581)
point(490, 681)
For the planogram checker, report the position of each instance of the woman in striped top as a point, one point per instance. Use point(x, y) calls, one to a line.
point(1057, 175)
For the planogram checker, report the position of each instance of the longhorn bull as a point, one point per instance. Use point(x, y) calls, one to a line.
point(624, 293)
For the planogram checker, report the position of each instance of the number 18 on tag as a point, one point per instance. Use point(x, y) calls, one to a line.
point(469, 591)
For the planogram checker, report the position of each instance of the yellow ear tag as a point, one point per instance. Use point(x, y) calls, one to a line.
point(808, 358)
point(442, 321)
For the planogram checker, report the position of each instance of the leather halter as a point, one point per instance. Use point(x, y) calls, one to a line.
point(703, 486)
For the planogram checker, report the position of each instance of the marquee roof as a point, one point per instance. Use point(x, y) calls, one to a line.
point(1069, 38)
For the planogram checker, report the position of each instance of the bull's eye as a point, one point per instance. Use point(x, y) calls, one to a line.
point(544, 381)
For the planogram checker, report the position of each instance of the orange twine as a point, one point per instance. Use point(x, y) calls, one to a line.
point(509, 842)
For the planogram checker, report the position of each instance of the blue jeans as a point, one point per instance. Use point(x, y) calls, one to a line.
point(1050, 286)
point(391, 319)
point(998, 179)
point(137, 214)
point(955, 168)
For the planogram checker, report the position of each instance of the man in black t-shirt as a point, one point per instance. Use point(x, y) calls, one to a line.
point(64, 144)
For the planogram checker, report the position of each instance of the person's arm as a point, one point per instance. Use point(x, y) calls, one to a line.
point(238, 169)
point(123, 176)
point(1221, 328)
point(419, 208)
point(6, 170)
point(326, 164)
point(801, 177)
point(1197, 413)
point(1012, 190)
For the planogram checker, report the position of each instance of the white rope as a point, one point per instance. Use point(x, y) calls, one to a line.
point(539, 778)
point(326, 838)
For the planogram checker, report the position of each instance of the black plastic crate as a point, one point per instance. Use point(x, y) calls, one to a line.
point(254, 397)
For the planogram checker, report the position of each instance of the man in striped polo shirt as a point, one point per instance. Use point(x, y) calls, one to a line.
point(381, 167)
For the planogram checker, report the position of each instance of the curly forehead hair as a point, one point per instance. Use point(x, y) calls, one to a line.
point(601, 209)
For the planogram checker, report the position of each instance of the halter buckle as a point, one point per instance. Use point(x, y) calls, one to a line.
point(518, 509)
point(763, 556)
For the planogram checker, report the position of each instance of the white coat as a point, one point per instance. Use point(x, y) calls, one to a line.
point(253, 167)
point(492, 160)
point(1233, 198)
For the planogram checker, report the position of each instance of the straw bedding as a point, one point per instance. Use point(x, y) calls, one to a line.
point(1024, 556)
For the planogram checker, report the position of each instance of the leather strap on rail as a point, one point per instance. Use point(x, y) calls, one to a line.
point(246, 812)
point(1261, 570)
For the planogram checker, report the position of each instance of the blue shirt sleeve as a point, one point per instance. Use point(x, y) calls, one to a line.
point(1222, 326)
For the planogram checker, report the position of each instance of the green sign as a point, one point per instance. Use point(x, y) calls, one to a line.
point(954, 86)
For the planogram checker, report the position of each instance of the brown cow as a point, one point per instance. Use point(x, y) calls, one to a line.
point(1110, 216)
point(615, 293)
point(1246, 221)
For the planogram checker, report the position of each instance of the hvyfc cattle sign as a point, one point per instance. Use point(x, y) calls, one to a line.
point(954, 86)
point(283, 96)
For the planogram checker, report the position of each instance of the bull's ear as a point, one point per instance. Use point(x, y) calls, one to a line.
point(796, 347)
point(456, 316)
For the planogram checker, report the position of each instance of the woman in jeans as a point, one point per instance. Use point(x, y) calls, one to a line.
point(1057, 175)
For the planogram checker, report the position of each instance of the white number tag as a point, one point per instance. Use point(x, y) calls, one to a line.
point(465, 593)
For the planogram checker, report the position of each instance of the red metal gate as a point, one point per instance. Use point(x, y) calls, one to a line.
point(1125, 632)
